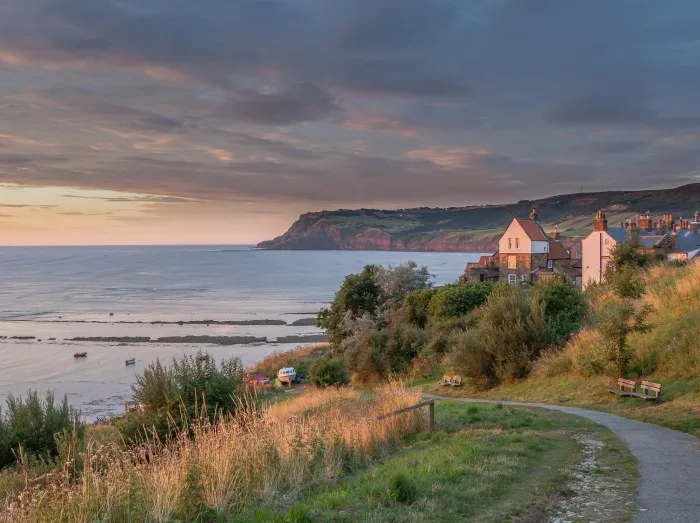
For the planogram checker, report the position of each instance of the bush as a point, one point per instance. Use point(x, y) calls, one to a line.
point(192, 386)
point(326, 372)
point(453, 301)
point(416, 306)
point(564, 308)
point(469, 357)
point(33, 424)
point(509, 336)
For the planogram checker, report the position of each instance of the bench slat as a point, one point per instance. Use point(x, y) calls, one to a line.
point(627, 383)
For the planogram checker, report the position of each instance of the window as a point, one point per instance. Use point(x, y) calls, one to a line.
point(510, 243)
point(512, 262)
point(512, 278)
point(523, 278)
point(517, 243)
point(550, 264)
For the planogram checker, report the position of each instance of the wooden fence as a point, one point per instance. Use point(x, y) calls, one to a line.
point(431, 408)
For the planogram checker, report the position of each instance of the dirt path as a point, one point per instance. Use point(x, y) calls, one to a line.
point(669, 462)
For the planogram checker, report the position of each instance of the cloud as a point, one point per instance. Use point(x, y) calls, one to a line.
point(612, 147)
point(347, 102)
point(301, 102)
point(448, 157)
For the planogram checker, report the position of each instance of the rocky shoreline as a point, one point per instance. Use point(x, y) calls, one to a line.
point(192, 339)
point(303, 322)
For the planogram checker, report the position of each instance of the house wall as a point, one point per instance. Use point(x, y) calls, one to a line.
point(513, 232)
point(596, 256)
point(525, 264)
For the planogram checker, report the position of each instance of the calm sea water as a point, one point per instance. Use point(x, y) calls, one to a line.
point(67, 292)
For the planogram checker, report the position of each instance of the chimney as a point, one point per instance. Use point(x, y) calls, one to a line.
point(645, 222)
point(601, 222)
point(533, 214)
point(555, 233)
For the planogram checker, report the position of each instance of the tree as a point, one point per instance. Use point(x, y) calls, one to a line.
point(453, 301)
point(416, 305)
point(564, 308)
point(397, 282)
point(624, 272)
point(327, 372)
point(374, 293)
point(616, 321)
point(359, 295)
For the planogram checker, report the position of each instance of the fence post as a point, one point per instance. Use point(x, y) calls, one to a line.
point(432, 415)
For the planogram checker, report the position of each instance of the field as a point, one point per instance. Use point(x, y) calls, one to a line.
point(484, 463)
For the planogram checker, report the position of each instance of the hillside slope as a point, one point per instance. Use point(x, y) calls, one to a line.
point(475, 229)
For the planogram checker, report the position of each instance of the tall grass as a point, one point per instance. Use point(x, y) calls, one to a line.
point(669, 349)
point(265, 455)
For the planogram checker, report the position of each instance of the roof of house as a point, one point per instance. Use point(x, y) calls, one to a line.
point(619, 234)
point(687, 241)
point(533, 230)
point(557, 251)
point(649, 241)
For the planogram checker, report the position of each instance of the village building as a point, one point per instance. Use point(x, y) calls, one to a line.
point(673, 240)
point(525, 254)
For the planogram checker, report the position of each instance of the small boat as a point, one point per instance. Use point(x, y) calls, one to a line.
point(130, 361)
point(286, 375)
point(80, 355)
point(204, 357)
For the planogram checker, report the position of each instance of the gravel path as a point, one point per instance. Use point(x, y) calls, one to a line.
point(669, 462)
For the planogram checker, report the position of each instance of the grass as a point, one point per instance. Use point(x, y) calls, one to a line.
point(485, 463)
point(679, 409)
point(668, 354)
point(216, 470)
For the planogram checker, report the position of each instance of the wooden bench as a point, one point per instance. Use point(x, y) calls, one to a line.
point(446, 380)
point(653, 387)
point(622, 385)
point(647, 386)
point(455, 381)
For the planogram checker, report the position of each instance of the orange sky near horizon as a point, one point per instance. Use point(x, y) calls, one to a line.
point(59, 216)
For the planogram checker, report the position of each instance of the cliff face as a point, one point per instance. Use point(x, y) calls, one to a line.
point(472, 229)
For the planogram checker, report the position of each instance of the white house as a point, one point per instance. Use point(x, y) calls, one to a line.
point(597, 248)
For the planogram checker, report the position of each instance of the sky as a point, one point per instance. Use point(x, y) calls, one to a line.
point(220, 121)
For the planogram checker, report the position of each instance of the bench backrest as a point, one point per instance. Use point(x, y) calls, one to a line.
point(457, 380)
point(651, 386)
point(447, 378)
point(622, 382)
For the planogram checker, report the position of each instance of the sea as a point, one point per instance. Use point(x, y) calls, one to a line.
point(51, 295)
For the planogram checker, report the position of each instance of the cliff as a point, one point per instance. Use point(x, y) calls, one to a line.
point(476, 229)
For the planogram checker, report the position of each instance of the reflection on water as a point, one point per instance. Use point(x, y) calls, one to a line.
point(56, 292)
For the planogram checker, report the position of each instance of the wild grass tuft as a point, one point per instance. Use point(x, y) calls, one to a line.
point(260, 454)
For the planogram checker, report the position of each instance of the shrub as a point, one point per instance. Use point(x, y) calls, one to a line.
point(190, 387)
point(509, 336)
point(453, 301)
point(564, 308)
point(359, 295)
point(469, 357)
point(374, 293)
point(326, 372)
point(416, 306)
point(616, 322)
point(33, 424)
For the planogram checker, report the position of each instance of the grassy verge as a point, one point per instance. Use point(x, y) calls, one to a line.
point(485, 463)
point(679, 409)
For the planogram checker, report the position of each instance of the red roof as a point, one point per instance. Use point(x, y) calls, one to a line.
point(557, 251)
point(533, 230)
